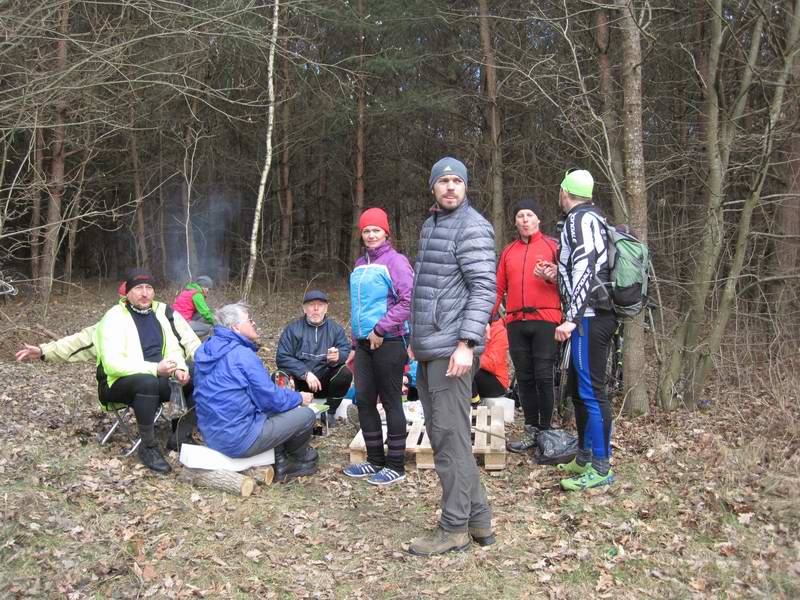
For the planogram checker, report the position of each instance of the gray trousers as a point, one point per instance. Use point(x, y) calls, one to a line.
point(290, 430)
point(446, 402)
point(200, 326)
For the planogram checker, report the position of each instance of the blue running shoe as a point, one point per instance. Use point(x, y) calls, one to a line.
point(359, 470)
point(386, 476)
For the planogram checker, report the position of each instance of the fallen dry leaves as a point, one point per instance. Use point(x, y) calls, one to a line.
point(699, 510)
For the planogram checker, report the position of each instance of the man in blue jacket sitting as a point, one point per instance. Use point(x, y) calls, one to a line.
point(240, 412)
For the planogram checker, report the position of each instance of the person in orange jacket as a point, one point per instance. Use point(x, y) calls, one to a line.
point(491, 379)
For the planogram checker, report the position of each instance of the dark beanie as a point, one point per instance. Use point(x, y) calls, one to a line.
point(137, 277)
point(527, 204)
point(448, 166)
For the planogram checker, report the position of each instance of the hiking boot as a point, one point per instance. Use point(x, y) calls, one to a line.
point(440, 541)
point(287, 468)
point(527, 442)
point(574, 467)
point(386, 476)
point(307, 454)
point(483, 536)
point(359, 470)
point(589, 479)
point(151, 457)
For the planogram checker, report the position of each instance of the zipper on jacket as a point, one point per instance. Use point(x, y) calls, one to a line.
point(522, 283)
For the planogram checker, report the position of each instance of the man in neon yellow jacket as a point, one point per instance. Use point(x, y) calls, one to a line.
point(137, 353)
point(79, 347)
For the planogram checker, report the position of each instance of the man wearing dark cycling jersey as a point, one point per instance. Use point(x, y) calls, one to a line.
point(589, 323)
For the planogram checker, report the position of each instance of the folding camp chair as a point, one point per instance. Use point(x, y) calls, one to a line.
point(125, 422)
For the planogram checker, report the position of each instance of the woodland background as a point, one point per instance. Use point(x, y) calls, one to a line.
point(164, 133)
point(242, 138)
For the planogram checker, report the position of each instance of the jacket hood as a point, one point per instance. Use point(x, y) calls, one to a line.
point(217, 347)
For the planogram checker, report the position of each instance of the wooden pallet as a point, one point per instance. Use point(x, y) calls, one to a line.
point(488, 440)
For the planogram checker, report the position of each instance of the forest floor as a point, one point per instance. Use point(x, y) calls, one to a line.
point(705, 504)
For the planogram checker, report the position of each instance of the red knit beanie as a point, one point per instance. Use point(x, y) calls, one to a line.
point(376, 217)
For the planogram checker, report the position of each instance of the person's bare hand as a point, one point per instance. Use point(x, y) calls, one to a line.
point(308, 397)
point(545, 270)
point(410, 354)
point(182, 376)
point(313, 383)
point(550, 272)
point(565, 330)
point(375, 340)
point(351, 360)
point(28, 352)
point(166, 367)
point(332, 355)
point(460, 361)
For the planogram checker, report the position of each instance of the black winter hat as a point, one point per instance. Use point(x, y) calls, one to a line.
point(526, 204)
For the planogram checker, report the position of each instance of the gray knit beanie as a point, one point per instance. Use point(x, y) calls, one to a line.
point(448, 166)
point(205, 282)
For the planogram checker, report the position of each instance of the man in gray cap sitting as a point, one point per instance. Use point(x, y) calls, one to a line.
point(191, 304)
point(313, 350)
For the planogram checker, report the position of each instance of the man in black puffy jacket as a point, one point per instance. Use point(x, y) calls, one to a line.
point(313, 350)
point(454, 292)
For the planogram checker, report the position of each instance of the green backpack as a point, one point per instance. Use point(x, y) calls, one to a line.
point(629, 262)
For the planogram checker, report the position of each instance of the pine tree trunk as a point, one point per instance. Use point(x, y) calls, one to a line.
point(287, 206)
point(57, 169)
point(36, 208)
point(142, 256)
point(635, 357)
point(361, 108)
point(609, 113)
point(495, 127)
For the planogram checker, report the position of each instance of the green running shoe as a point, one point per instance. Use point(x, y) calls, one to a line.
point(573, 467)
point(589, 479)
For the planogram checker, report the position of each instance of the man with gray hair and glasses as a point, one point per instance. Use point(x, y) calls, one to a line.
point(240, 411)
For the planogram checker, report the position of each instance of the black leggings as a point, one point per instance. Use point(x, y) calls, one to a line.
point(143, 393)
point(380, 373)
point(532, 345)
point(486, 385)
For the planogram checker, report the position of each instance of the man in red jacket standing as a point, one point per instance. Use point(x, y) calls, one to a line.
point(526, 276)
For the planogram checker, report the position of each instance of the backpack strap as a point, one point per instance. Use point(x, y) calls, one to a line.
point(170, 314)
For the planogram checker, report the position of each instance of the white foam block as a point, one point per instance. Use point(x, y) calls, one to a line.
point(203, 457)
point(506, 403)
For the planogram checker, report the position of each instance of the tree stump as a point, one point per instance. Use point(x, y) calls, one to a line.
point(227, 481)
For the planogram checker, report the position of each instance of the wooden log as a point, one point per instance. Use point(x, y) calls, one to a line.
point(266, 474)
point(227, 481)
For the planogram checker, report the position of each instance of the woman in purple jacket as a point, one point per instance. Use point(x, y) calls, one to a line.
point(380, 301)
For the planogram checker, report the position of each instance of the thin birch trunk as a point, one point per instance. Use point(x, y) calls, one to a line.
point(262, 186)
